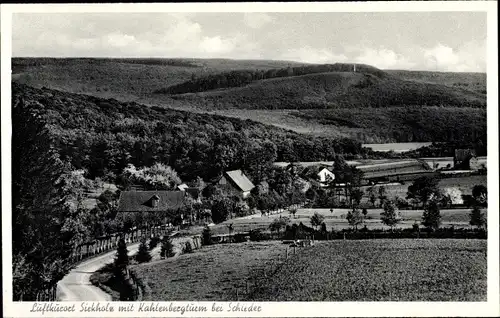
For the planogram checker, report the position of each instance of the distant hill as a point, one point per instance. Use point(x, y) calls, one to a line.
point(336, 90)
point(240, 78)
point(337, 102)
point(119, 78)
point(471, 81)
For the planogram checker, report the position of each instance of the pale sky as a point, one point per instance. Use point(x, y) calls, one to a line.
point(444, 41)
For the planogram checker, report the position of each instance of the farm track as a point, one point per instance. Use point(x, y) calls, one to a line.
point(76, 285)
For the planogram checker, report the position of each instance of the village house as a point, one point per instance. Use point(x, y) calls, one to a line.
point(326, 175)
point(465, 159)
point(164, 206)
point(193, 192)
point(237, 182)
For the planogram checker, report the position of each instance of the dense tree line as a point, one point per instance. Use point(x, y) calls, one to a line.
point(104, 136)
point(455, 127)
point(47, 217)
point(243, 77)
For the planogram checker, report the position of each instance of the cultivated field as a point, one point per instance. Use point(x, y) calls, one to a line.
point(464, 184)
point(208, 274)
point(382, 270)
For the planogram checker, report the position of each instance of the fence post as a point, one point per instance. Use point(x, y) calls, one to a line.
point(247, 287)
point(237, 294)
point(287, 253)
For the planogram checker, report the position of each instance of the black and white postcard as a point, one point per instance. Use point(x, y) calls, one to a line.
point(250, 159)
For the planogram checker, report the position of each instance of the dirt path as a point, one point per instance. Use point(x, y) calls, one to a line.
point(76, 285)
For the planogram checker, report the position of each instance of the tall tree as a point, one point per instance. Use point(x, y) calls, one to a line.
point(121, 258)
point(47, 219)
point(372, 196)
point(317, 219)
point(477, 217)
point(143, 255)
point(389, 216)
point(432, 216)
point(167, 248)
point(354, 218)
point(423, 189)
point(480, 194)
point(382, 195)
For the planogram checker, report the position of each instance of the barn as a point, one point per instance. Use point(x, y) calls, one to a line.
point(396, 171)
point(237, 182)
point(151, 207)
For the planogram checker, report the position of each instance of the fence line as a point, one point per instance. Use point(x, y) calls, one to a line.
point(103, 245)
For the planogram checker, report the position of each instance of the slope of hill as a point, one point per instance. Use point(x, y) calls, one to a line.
point(471, 81)
point(336, 90)
point(463, 125)
point(342, 93)
point(123, 78)
point(240, 78)
point(104, 136)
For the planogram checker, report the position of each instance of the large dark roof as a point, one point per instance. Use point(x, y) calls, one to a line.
point(240, 180)
point(140, 201)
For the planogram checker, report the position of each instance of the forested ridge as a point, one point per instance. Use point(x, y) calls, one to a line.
point(103, 136)
point(330, 90)
point(460, 126)
point(238, 78)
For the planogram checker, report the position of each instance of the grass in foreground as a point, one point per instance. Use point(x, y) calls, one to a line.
point(382, 270)
point(207, 274)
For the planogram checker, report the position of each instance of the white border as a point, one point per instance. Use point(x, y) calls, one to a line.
point(291, 309)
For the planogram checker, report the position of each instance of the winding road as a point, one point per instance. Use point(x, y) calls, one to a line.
point(76, 285)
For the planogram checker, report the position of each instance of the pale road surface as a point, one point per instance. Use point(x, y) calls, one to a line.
point(76, 285)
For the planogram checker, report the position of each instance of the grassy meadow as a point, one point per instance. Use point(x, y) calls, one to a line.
point(382, 270)
point(208, 274)
point(364, 270)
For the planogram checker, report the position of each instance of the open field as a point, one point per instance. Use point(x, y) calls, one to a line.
point(382, 270)
point(336, 220)
point(464, 184)
point(209, 273)
point(406, 270)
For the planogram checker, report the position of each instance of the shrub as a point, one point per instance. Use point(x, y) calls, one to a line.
point(477, 217)
point(240, 238)
point(167, 248)
point(143, 255)
point(188, 248)
point(257, 235)
point(207, 236)
point(154, 242)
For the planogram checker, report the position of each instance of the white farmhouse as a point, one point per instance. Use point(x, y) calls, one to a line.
point(325, 176)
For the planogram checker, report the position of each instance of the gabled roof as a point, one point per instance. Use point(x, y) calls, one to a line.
point(394, 168)
point(330, 169)
point(140, 201)
point(240, 180)
point(182, 187)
